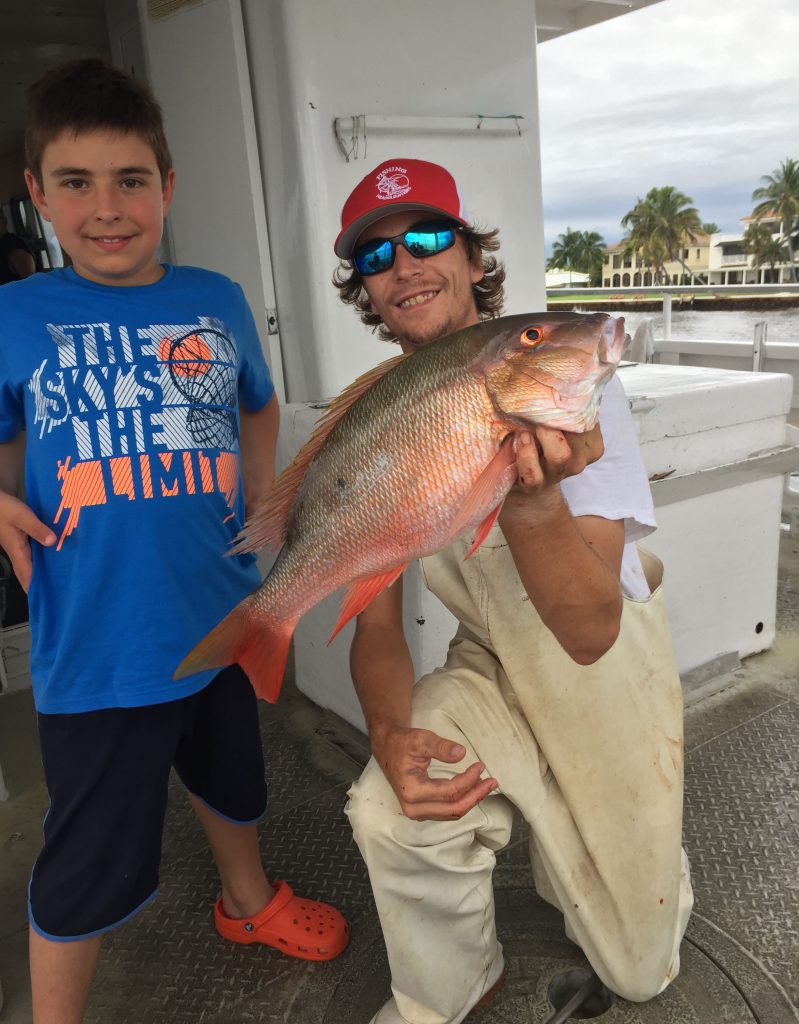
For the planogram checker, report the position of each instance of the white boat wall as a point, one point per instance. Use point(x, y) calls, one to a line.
point(276, 108)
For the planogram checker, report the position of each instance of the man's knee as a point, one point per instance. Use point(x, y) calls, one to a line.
point(372, 806)
point(640, 981)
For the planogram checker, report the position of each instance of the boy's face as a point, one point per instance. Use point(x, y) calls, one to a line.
point(103, 193)
point(421, 300)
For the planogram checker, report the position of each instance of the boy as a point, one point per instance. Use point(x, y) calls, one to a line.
point(138, 384)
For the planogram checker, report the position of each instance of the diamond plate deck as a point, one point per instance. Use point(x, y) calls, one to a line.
point(741, 831)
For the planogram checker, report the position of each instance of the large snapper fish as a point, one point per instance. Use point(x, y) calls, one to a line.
point(410, 456)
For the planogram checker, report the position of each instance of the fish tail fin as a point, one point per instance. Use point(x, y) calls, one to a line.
point(260, 647)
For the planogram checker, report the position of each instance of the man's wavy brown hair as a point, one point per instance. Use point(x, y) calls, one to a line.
point(489, 292)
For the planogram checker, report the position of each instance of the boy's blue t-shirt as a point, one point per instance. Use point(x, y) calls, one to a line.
point(129, 397)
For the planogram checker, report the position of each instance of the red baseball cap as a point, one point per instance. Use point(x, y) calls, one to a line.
point(395, 186)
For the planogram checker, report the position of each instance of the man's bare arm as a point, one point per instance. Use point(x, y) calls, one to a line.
point(570, 567)
point(383, 673)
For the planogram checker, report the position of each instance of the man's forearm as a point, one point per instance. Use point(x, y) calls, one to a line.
point(383, 674)
point(573, 588)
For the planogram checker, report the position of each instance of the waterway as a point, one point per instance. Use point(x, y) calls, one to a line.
point(721, 325)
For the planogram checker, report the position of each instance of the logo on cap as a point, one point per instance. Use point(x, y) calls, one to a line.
point(392, 182)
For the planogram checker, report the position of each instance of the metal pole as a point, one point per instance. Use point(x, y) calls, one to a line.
point(667, 316)
point(759, 345)
point(577, 1000)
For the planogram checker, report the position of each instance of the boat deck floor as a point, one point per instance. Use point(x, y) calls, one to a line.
point(740, 957)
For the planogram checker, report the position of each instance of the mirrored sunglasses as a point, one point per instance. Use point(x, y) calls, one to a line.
point(420, 240)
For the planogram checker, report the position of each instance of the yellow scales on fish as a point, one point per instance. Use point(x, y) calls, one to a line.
point(410, 456)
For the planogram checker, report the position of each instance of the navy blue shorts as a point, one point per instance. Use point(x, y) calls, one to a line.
point(107, 773)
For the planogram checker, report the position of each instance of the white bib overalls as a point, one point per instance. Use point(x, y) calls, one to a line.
point(592, 756)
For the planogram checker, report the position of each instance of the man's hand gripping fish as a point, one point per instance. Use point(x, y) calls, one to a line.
point(410, 456)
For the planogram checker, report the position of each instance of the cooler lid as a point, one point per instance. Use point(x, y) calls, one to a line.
point(680, 400)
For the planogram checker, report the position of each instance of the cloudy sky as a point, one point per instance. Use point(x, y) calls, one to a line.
point(699, 94)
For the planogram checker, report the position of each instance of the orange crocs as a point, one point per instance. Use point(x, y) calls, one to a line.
point(302, 928)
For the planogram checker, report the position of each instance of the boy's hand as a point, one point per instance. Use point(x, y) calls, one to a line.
point(18, 526)
point(405, 756)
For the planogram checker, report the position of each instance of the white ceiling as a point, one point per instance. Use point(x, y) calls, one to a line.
point(37, 34)
point(557, 17)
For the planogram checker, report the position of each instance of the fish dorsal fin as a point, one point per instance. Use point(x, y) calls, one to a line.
point(482, 492)
point(362, 592)
point(269, 525)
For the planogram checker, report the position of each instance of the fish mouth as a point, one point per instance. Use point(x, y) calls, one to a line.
point(614, 340)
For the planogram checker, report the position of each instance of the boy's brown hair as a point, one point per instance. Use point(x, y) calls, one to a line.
point(91, 95)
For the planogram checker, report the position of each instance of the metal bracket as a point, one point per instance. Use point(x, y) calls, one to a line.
point(271, 321)
point(352, 132)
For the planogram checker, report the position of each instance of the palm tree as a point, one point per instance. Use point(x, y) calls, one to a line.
point(710, 227)
point(566, 251)
point(581, 251)
point(765, 249)
point(779, 197)
point(658, 227)
point(591, 256)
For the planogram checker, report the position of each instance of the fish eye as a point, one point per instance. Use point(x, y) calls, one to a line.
point(531, 336)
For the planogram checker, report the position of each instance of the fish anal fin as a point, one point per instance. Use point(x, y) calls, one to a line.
point(482, 492)
point(362, 593)
point(268, 526)
point(483, 531)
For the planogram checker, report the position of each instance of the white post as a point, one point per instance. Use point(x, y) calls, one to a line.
point(759, 345)
point(666, 316)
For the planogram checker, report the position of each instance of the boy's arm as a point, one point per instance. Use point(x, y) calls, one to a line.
point(383, 673)
point(258, 439)
point(18, 524)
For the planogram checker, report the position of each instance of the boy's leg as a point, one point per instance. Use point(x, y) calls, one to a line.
point(102, 843)
point(220, 761)
point(245, 889)
point(61, 975)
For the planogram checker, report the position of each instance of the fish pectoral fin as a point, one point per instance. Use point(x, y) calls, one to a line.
point(481, 494)
point(483, 530)
point(362, 592)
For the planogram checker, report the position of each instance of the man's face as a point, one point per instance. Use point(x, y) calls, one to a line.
point(104, 195)
point(421, 300)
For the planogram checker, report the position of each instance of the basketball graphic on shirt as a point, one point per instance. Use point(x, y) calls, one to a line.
point(202, 366)
point(188, 356)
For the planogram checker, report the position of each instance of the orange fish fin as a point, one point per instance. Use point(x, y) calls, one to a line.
point(261, 651)
point(268, 526)
point(483, 530)
point(362, 592)
point(482, 492)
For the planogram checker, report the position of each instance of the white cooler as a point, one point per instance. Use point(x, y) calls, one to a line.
point(714, 445)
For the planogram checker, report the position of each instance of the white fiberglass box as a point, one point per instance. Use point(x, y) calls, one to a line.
point(714, 445)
